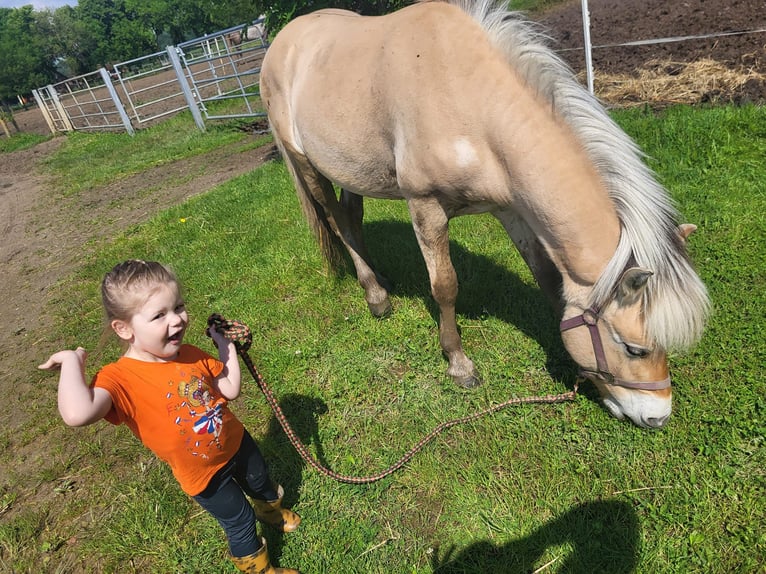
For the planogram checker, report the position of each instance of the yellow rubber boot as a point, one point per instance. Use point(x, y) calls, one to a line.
point(259, 563)
point(271, 512)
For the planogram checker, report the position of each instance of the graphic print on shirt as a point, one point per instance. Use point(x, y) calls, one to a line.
point(205, 412)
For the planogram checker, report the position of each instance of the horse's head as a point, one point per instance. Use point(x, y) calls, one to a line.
point(612, 349)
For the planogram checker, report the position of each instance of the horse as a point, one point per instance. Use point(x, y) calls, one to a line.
point(462, 107)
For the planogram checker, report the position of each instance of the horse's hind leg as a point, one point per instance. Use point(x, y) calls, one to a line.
point(353, 205)
point(343, 219)
point(431, 225)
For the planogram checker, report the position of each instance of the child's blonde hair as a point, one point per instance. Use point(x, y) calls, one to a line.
point(130, 284)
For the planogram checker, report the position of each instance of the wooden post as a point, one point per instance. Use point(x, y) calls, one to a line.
point(7, 115)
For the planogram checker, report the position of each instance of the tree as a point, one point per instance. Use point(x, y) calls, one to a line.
point(180, 19)
point(280, 12)
point(67, 41)
point(234, 12)
point(116, 31)
point(25, 62)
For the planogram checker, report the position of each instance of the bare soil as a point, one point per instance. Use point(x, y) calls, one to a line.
point(46, 236)
point(712, 62)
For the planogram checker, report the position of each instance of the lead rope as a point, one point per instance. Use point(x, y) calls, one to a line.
point(240, 335)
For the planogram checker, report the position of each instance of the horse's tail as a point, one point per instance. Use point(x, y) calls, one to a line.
point(315, 214)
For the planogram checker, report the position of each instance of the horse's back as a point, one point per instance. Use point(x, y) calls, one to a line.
point(342, 52)
point(372, 94)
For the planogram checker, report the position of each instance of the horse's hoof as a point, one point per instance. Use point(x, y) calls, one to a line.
point(380, 310)
point(468, 382)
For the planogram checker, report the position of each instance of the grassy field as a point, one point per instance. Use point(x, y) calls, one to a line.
point(560, 488)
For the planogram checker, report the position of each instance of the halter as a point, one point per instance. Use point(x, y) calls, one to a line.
point(590, 318)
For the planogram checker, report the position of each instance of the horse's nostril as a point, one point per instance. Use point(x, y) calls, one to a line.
point(656, 422)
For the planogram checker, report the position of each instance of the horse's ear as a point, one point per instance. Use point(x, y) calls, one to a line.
point(632, 285)
point(686, 229)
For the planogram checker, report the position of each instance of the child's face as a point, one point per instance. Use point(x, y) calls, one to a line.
point(155, 332)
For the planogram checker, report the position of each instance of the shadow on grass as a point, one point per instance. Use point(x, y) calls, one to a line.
point(485, 289)
point(285, 463)
point(599, 536)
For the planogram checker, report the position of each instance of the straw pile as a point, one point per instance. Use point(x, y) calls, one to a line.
point(666, 82)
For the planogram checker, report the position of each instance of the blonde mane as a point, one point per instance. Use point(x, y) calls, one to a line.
point(676, 303)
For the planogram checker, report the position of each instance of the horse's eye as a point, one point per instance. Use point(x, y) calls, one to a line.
point(636, 351)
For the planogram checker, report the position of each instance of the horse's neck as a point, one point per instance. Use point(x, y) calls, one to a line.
point(561, 197)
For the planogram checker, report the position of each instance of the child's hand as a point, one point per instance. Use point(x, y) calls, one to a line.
point(57, 359)
point(220, 341)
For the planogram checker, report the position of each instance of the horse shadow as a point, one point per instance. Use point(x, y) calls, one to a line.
point(485, 289)
point(600, 536)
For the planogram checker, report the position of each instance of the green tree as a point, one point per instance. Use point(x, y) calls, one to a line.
point(280, 12)
point(234, 12)
point(180, 20)
point(26, 62)
point(67, 41)
point(115, 30)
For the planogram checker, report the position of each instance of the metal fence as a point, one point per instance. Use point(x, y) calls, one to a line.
point(215, 77)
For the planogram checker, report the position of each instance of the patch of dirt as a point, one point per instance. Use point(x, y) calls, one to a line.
point(725, 68)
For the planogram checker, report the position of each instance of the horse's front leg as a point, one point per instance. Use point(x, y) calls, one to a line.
point(531, 249)
point(431, 225)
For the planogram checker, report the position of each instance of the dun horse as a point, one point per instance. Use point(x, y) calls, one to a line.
point(461, 108)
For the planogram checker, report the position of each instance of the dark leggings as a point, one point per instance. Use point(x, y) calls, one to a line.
point(225, 499)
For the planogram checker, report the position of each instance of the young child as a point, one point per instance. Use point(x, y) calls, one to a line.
point(173, 397)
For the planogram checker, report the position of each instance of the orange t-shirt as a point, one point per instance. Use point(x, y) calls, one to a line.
point(174, 410)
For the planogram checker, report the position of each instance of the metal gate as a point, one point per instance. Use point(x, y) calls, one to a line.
point(223, 71)
point(215, 77)
point(86, 102)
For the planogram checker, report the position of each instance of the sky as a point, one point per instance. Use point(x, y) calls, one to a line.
point(37, 4)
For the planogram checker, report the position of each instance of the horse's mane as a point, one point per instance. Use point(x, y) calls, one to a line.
point(676, 303)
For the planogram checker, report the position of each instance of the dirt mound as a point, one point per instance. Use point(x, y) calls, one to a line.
point(725, 62)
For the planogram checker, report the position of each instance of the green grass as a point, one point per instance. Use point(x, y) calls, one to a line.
point(88, 161)
point(534, 5)
point(560, 488)
point(20, 141)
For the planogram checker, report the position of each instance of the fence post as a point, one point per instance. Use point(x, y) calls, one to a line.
point(59, 108)
point(586, 40)
point(115, 98)
point(190, 100)
point(44, 111)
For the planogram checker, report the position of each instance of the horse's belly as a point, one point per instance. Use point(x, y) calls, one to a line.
point(362, 165)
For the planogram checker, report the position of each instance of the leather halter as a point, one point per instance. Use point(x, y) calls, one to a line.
point(590, 318)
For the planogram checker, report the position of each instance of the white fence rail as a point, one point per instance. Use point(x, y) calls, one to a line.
point(588, 47)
